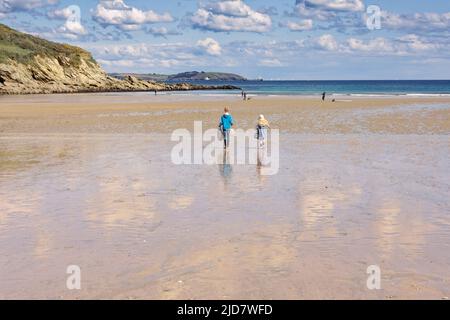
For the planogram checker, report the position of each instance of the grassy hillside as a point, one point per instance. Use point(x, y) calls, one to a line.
point(23, 47)
point(185, 76)
point(194, 75)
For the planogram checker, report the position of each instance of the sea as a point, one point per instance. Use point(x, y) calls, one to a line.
point(333, 87)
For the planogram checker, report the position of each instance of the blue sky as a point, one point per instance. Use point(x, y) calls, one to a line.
point(286, 39)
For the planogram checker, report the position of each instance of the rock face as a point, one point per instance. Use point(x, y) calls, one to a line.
point(31, 65)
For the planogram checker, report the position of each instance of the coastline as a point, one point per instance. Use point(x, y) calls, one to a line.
point(158, 87)
point(231, 91)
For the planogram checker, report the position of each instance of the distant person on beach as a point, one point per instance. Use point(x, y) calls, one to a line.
point(225, 125)
point(261, 130)
point(323, 96)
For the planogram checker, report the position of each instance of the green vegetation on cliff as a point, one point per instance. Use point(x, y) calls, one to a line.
point(22, 47)
point(195, 75)
point(185, 76)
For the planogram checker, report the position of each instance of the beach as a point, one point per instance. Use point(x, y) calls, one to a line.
point(87, 180)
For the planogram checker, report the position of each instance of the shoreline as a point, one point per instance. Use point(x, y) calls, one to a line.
point(227, 91)
point(198, 88)
point(226, 95)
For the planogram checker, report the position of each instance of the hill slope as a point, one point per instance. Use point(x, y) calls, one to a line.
point(186, 76)
point(29, 64)
point(215, 76)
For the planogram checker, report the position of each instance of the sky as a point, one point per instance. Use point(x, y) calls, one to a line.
point(277, 40)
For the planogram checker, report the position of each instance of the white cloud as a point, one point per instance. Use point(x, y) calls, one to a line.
point(339, 15)
point(270, 63)
point(327, 42)
point(70, 12)
point(405, 45)
point(342, 15)
point(303, 25)
point(124, 17)
point(7, 6)
point(327, 9)
point(163, 55)
point(63, 14)
point(375, 45)
point(211, 46)
point(117, 63)
point(234, 8)
point(288, 51)
point(417, 21)
point(72, 28)
point(204, 54)
point(160, 57)
point(332, 5)
point(230, 15)
point(416, 43)
point(162, 32)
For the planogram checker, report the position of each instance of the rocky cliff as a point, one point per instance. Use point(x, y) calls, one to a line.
point(30, 64)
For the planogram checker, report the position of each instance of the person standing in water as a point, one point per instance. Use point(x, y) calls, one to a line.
point(225, 125)
point(323, 96)
point(261, 130)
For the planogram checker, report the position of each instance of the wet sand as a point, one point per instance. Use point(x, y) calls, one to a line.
point(88, 180)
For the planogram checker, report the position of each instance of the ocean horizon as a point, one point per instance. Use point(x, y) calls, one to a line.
point(336, 87)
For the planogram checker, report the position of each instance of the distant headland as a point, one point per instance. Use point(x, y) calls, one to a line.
point(185, 76)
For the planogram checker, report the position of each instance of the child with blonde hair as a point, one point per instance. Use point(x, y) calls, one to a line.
point(261, 130)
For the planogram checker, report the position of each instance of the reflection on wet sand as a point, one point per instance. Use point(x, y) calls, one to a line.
point(308, 232)
point(142, 227)
point(44, 244)
point(397, 227)
point(225, 166)
point(261, 163)
point(119, 199)
point(181, 202)
point(232, 268)
point(389, 214)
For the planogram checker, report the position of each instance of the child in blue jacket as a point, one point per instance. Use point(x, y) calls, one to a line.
point(225, 125)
